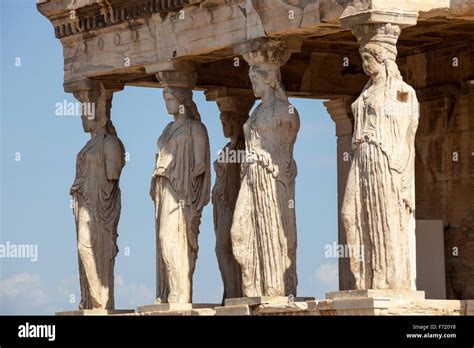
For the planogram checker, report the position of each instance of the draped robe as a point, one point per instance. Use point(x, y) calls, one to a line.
point(379, 198)
point(96, 208)
point(179, 199)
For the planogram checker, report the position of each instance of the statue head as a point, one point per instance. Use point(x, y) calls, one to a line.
point(232, 123)
point(96, 105)
point(180, 100)
point(88, 124)
point(234, 112)
point(264, 71)
point(172, 103)
point(378, 58)
point(264, 77)
point(372, 59)
point(378, 48)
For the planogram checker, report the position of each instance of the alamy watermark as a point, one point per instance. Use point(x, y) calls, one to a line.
point(67, 108)
point(19, 251)
point(28, 330)
point(335, 250)
point(235, 156)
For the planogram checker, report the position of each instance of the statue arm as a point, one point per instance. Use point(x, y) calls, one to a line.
point(153, 180)
point(200, 173)
point(289, 116)
point(114, 160)
point(200, 149)
point(408, 170)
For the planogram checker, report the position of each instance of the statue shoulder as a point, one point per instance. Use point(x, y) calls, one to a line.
point(198, 128)
point(286, 112)
point(113, 145)
point(167, 128)
point(404, 87)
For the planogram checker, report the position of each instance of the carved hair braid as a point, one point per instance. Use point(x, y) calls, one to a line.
point(384, 57)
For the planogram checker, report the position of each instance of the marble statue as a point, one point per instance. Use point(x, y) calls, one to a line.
point(180, 188)
point(234, 113)
point(379, 198)
point(96, 202)
point(264, 225)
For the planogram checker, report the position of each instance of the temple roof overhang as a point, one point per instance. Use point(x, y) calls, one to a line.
point(124, 41)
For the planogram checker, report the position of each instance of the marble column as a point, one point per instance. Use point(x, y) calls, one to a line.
point(96, 195)
point(180, 185)
point(234, 107)
point(379, 200)
point(341, 113)
point(263, 229)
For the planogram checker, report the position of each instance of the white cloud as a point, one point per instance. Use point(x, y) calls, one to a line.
point(327, 273)
point(24, 287)
point(119, 281)
point(68, 286)
point(130, 294)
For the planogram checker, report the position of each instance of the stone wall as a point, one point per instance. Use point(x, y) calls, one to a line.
point(445, 183)
point(444, 80)
point(461, 6)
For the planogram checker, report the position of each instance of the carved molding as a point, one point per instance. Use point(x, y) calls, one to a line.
point(70, 20)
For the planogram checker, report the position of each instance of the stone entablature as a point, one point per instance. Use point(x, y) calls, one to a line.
point(126, 39)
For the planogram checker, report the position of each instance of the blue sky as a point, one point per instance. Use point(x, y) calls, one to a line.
point(35, 201)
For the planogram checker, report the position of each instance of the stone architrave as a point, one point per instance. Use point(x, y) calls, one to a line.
point(180, 188)
point(379, 203)
point(264, 225)
point(96, 199)
point(234, 111)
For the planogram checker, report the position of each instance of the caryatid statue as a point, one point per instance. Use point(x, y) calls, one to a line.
point(96, 201)
point(264, 225)
point(379, 202)
point(233, 114)
point(180, 188)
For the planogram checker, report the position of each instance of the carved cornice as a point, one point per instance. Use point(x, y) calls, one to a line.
point(68, 19)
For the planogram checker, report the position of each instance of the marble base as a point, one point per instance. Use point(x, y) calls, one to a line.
point(253, 301)
point(390, 294)
point(469, 307)
point(240, 310)
point(174, 307)
point(389, 302)
point(353, 302)
point(87, 312)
